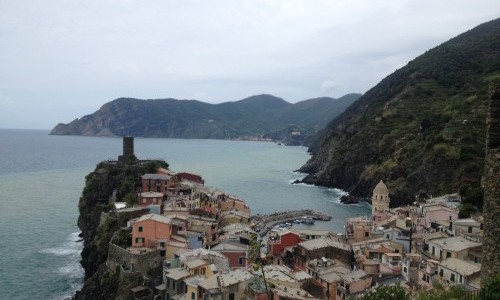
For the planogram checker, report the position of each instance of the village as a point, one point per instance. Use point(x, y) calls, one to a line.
point(207, 245)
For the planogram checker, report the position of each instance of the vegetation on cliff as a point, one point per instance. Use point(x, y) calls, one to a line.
point(421, 129)
point(109, 181)
point(258, 116)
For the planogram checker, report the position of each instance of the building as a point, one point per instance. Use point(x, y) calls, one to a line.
point(226, 285)
point(236, 253)
point(153, 231)
point(380, 198)
point(156, 183)
point(358, 229)
point(278, 240)
point(318, 248)
point(452, 247)
point(150, 198)
point(457, 271)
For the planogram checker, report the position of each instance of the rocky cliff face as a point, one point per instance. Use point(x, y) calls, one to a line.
point(109, 180)
point(421, 129)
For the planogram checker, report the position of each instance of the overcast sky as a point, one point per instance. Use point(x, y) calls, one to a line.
point(60, 60)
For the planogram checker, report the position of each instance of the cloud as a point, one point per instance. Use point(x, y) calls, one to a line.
point(81, 54)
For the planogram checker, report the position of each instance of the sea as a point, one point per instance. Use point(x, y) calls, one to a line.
point(42, 177)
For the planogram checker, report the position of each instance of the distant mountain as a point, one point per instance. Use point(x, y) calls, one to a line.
point(421, 129)
point(262, 116)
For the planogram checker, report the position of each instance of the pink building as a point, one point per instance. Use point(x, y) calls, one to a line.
point(427, 273)
point(150, 198)
point(434, 213)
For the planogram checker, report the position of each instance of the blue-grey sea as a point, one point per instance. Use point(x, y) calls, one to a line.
point(42, 176)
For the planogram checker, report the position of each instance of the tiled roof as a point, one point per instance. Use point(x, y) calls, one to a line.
point(154, 217)
point(177, 273)
point(455, 243)
point(323, 243)
point(195, 263)
point(460, 266)
point(234, 277)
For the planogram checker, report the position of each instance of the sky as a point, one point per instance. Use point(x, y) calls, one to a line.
point(61, 60)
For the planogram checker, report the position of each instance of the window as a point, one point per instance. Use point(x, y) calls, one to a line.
point(231, 296)
point(452, 277)
point(387, 236)
point(139, 240)
point(193, 295)
point(469, 230)
point(367, 233)
point(140, 227)
point(241, 260)
point(448, 254)
point(461, 279)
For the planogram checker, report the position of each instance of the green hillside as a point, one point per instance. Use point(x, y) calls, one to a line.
point(262, 116)
point(421, 129)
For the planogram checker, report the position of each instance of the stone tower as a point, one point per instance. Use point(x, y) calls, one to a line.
point(380, 198)
point(491, 184)
point(128, 150)
point(128, 146)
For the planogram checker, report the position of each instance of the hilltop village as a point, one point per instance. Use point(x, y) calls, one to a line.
point(179, 239)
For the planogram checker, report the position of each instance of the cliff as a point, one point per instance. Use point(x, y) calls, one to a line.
point(109, 181)
point(256, 116)
point(421, 129)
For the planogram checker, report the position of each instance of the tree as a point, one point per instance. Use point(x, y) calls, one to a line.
point(387, 292)
point(439, 292)
point(130, 199)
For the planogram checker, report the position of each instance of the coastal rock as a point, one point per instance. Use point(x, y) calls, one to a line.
point(349, 199)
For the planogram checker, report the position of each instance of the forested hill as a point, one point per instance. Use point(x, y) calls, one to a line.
point(262, 116)
point(421, 129)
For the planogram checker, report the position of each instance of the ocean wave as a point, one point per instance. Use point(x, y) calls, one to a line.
point(72, 270)
point(60, 251)
point(70, 246)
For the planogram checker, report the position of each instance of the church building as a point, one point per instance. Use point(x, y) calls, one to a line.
point(380, 198)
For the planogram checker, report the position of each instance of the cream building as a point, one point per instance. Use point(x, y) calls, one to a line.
point(380, 198)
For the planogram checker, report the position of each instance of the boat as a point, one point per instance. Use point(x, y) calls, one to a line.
point(308, 221)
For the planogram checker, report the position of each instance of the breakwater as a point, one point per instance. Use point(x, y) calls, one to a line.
point(264, 223)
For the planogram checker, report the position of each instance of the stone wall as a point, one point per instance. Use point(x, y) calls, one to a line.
point(491, 183)
point(135, 262)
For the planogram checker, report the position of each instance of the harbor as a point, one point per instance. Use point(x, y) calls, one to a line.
point(263, 223)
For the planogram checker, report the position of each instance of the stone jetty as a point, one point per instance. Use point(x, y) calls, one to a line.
point(264, 223)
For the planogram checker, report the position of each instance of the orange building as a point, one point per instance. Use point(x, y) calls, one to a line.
point(153, 231)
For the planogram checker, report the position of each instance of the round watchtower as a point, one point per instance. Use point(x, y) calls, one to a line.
point(380, 198)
